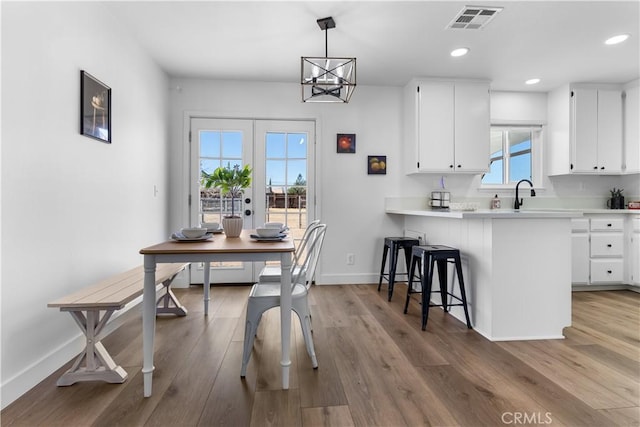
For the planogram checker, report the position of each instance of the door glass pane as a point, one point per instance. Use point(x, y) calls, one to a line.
point(286, 178)
point(218, 149)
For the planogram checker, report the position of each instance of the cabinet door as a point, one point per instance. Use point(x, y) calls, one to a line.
point(584, 132)
point(472, 127)
point(580, 258)
point(609, 131)
point(435, 126)
point(635, 258)
point(632, 130)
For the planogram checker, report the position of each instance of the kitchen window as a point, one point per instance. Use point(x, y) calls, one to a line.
point(515, 155)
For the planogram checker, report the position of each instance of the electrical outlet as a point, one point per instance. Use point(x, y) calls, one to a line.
point(351, 259)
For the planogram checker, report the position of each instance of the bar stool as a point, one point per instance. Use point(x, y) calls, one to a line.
point(425, 257)
point(393, 245)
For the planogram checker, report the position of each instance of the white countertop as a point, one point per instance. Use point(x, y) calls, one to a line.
point(488, 213)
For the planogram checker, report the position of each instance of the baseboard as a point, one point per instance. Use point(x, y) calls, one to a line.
point(346, 279)
point(587, 288)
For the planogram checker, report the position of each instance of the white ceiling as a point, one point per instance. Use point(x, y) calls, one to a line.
point(393, 41)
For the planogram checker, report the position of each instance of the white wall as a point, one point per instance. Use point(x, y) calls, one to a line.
point(74, 210)
point(351, 202)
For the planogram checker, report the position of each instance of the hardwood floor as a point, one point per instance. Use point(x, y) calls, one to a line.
point(376, 368)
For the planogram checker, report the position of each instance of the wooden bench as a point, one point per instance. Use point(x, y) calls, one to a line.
point(109, 296)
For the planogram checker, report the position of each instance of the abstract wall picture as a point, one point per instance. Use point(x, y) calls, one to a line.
point(346, 143)
point(377, 165)
point(95, 108)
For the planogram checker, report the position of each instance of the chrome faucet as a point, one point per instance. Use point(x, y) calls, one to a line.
point(518, 202)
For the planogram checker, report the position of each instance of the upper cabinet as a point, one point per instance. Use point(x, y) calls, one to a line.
point(632, 129)
point(585, 131)
point(447, 126)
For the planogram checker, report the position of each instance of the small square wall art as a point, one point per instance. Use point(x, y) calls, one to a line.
point(377, 165)
point(346, 143)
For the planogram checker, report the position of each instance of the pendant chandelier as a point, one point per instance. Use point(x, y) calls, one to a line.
point(327, 79)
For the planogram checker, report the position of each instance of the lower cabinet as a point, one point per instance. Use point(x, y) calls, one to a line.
point(598, 255)
point(634, 252)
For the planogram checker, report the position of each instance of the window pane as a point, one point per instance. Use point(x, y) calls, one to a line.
point(232, 145)
point(494, 176)
point(295, 169)
point(275, 145)
point(209, 165)
point(519, 141)
point(496, 142)
point(276, 170)
point(297, 145)
point(520, 167)
point(209, 144)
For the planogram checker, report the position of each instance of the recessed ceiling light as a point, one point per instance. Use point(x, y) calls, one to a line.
point(532, 81)
point(460, 51)
point(617, 39)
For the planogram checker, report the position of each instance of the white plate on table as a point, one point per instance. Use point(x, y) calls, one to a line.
point(179, 237)
point(277, 238)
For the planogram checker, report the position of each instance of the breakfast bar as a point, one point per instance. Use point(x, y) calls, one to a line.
point(516, 265)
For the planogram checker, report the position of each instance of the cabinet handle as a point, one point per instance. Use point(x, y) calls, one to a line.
point(609, 245)
point(595, 167)
point(451, 166)
point(609, 271)
point(609, 225)
point(602, 168)
point(459, 166)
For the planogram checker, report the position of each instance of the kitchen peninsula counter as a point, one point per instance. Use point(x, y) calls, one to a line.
point(516, 265)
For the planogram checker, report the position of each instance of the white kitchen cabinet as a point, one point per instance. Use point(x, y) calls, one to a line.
point(598, 250)
point(447, 126)
point(634, 252)
point(632, 130)
point(585, 130)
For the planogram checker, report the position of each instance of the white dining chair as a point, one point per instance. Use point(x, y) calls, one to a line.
point(271, 273)
point(265, 296)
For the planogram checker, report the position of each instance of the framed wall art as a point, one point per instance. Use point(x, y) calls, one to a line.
point(377, 165)
point(95, 108)
point(346, 143)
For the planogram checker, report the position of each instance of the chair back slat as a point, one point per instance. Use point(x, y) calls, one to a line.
point(303, 268)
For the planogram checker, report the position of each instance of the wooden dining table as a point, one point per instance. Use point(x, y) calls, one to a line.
point(218, 249)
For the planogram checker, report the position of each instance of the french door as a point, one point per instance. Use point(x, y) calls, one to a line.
point(281, 154)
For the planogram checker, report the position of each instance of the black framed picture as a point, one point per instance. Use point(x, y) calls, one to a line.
point(377, 165)
point(346, 143)
point(95, 108)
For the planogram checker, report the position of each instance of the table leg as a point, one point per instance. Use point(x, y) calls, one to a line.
point(207, 286)
point(285, 315)
point(148, 321)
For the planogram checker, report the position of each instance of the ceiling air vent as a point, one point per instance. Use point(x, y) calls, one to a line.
point(474, 17)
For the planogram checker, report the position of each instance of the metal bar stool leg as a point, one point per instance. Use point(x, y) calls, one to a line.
point(415, 261)
point(442, 279)
point(463, 294)
point(426, 288)
point(384, 260)
point(395, 250)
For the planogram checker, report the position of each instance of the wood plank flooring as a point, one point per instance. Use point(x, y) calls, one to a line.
point(377, 368)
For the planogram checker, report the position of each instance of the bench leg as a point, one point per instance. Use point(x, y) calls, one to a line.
point(164, 303)
point(95, 362)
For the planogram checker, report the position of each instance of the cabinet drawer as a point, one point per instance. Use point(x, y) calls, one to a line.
point(606, 270)
point(607, 224)
point(580, 225)
point(607, 244)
